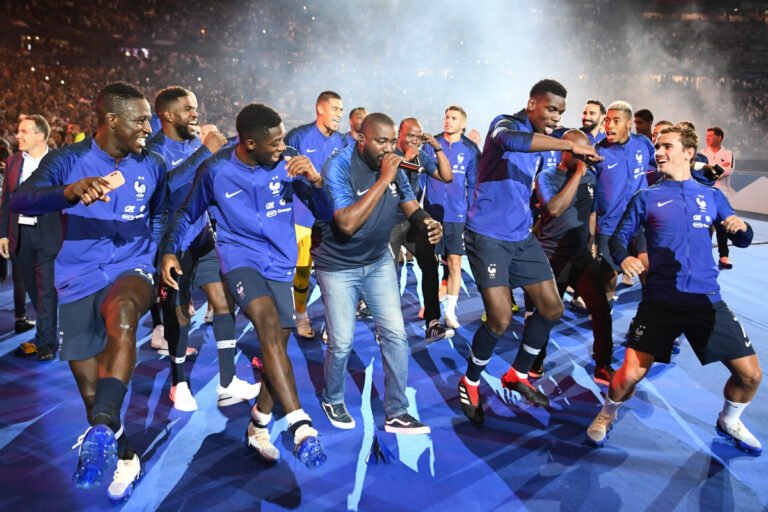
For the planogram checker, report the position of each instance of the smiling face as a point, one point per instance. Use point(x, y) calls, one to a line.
point(409, 136)
point(672, 158)
point(329, 114)
point(130, 128)
point(28, 136)
point(591, 118)
point(182, 114)
point(545, 111)
point(617, 126)
point(266, 150)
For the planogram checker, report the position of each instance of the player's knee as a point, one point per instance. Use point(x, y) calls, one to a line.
point(552, 312)
point(498, 324)
point(751, 377)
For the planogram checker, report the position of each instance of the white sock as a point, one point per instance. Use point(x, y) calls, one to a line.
point(450, 304)
point(296, 416)
point(611, 407)
point(259, 418)
point(732, 412)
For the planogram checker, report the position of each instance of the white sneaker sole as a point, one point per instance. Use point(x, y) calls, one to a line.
point(408, 431)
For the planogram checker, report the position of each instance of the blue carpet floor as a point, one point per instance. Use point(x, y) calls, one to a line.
point(662, 455)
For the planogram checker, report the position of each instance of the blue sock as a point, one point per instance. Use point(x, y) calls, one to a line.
point(226, 342)
point(483, 344)
point(535, 336)
point(108, 401)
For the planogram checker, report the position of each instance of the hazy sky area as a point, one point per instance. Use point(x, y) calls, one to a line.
point(414, 58)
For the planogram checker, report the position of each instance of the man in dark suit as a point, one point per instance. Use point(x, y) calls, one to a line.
point(32, 243)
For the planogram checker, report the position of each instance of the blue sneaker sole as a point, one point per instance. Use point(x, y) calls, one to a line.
point(311, 453)
point(98, 451)
point(741, 445)
point(128, 492)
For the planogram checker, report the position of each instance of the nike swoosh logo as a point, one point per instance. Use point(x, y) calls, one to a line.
point(177, 162)
point(748, 343)
point(311, 150)
point(233, 194)
point(612, 166)
point(660, 204)
point(361, 192)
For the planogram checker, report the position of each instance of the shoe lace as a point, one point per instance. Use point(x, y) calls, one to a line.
point(304, 432)
point(603, 420)
point(80, 439)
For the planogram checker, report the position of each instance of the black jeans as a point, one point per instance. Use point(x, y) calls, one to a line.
point(584, 276)
point(416, 242)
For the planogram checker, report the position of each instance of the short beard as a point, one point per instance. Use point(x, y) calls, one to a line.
point(184, 132)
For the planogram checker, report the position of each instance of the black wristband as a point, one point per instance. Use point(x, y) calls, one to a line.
point(417, 219)
point(437, 150)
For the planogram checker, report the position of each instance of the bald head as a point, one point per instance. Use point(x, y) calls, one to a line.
point(569, 162)
point(372, 122)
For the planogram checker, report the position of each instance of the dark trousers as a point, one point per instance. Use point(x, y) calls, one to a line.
point(36, 267)
point(722, 240)
point(19, 293)
point(416, 242)
point(584, 275)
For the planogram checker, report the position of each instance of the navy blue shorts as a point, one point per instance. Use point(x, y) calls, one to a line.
point(637, 245)
point(714, 332)
point(246, 285)
point(501, 263)
point(453, 239)
point(82, 332)
point(197, 271)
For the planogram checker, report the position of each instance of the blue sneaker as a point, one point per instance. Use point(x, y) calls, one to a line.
point(739, 436)
point(127, 475)
point(308, 447)
point(98, 450)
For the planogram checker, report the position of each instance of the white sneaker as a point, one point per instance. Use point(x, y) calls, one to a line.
point(182, 398)
point(238, 391)
point(739, 436)
point(451, 321)
point(158, 338)
point(304, 327)
point(597, 433)
point(208, 318)
point(127, 474)
point(258, 439)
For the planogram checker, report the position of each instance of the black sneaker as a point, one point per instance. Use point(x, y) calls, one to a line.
point(23, 325)
point(603, 375)
point(511, 381)
point(46, 353)
point(436, 332)
point(363, 311)
point(405, 424)
point(471, 405)
point(339, 416)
